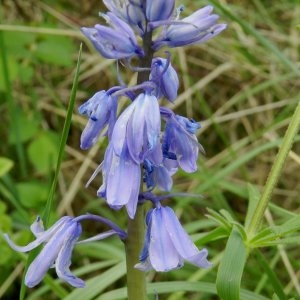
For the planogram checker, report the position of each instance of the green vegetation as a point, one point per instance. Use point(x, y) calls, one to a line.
point(242, 85)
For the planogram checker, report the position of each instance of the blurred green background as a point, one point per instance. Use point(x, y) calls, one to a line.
point(243, 86)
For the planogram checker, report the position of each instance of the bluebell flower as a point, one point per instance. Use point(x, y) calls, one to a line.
point(129, 11)
point(158, 10)
point(59, 241)
point(101, 110)
point(180, 143)
point(165, 77)
point(167, 245)
point(115, 42)
point(194, 29)
point(138, 128)
point(157, 176)
point(121, 180)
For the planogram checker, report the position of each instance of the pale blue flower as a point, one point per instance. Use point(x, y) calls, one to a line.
point(157, 176)
point(101, 110)
point(115, 42)
point(165, 77)
point(158, 10)
point(121, 180)
point(180, 142)
point(194, 29)
point(167, 245)
point(138, 128)
point(129, 11)
point(59, 241)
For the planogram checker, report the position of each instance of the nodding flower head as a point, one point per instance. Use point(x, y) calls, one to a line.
point(129, 11)
point(194, 29)
point(59, 241)
point(101, 110)
point(121, 180)
point(180, 143)
point(115, 42)
point(138, 128)
point(167, 245)
point(165, 78)
point(158, 10)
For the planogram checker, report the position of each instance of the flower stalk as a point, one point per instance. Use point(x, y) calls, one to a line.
point(136, 279)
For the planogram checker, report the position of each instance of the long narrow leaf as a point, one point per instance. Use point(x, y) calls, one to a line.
point(231, 267)
point(63, 141)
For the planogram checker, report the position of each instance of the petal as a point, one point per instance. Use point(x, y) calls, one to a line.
point(119, 132)
point(162, 253)
point(41, 264)
point(158, 10)
point(37, 228)
point(152, 119)
point(163, 178)
point(123, 181)
point(41, 239)
point(136, 127)
point(181, 240)
point(63, 260)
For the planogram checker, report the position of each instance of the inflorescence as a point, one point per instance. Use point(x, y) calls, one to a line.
point(147, 142)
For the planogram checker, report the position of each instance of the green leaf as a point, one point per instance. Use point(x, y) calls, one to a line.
point(5, 165)
point(32, 194)
point(97, 284)
point(231, 267)
point(177, 286)
point(253, 196)
point(219, 219)
point(43, 151)
point(278, 288)
point(29, 128)
point(56, 50)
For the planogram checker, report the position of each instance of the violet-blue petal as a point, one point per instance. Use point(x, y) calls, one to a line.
point(136, 128)
point(120, 129)
point(45, 259)
point(162, 178)
point(152, 119)
point(114, 42)
point(158, 10)
point(123, 182)
point(37, 227)
point(101, 110)
point(181, 241)
point(162, 253)
point(63, 260)
point(166, 79)
point(41, 239)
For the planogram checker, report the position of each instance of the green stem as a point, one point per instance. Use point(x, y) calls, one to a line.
point(275, 172)
point(136, 279)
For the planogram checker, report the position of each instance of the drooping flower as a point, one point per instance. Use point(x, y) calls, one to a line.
point(138, 128)
point(194, 29)
point(121, 180)
point(179, 141)
point(157, 10)
point(59, 241)
point(101, 110)
point(129, 11)
point(157, 176)
point(167, 245)
point(115, 42)
point(165, 77)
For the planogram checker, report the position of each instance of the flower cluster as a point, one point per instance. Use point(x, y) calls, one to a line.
point(136, 137)
point(147, 142)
